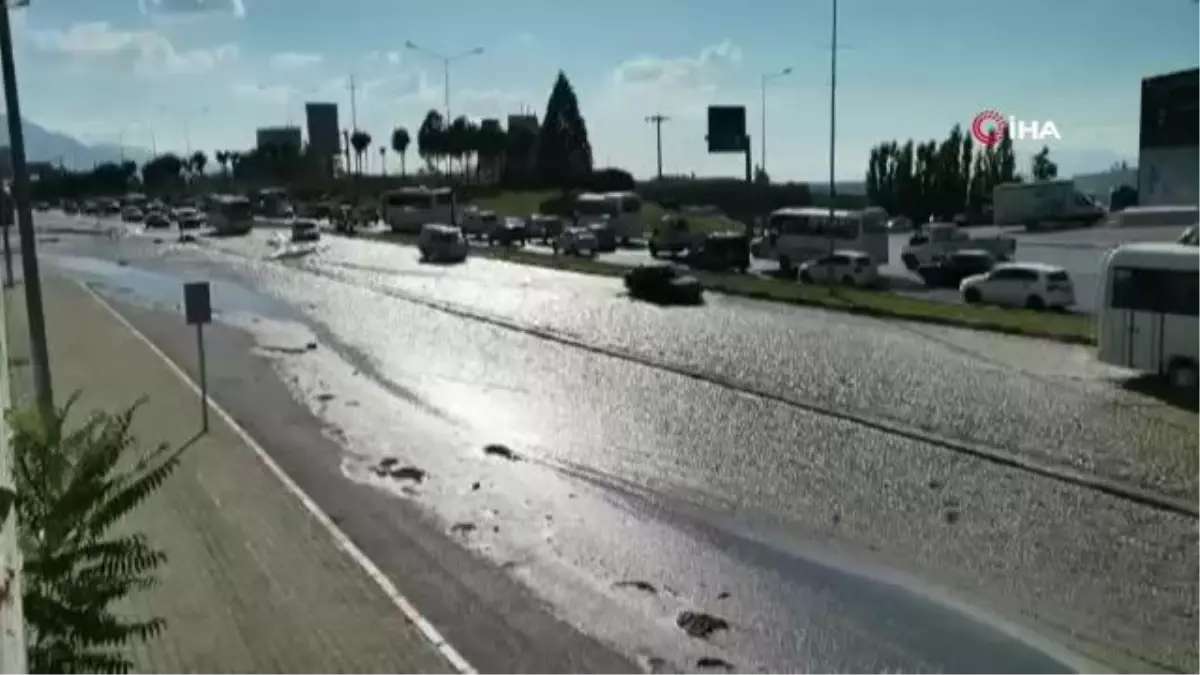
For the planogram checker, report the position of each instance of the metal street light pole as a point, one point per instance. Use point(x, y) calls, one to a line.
point(832, 121)
point(39, 353)
point(446, 61)
point(657, 121)
point(767, 77)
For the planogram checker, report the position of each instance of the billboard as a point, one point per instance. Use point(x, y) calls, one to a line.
point(324, 134)
point(726, 128)
point(1169, 139)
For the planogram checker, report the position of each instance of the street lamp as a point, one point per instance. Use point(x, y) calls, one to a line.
point(767, 77)
point(39, 353)
point(446, 61)
point(832, 120)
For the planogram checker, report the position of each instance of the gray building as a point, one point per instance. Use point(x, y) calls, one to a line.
point(1169, 140)
point(280, 137)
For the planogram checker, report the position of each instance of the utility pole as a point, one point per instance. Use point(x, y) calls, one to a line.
point(39, 353)
point(833, 123)
point(657, 120)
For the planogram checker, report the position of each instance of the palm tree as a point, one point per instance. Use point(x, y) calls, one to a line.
point(400, 142)
point(459, 141)
point(360, 141)
point(383, 159)
point(431, 138)
point(199, 161)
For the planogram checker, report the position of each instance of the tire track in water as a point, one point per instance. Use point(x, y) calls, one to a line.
point(988, 453)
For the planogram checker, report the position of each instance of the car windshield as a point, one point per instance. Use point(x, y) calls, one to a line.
point(417, 201)
point(595, 207)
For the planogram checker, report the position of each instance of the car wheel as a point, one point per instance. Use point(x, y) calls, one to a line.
point(1035, 302)
point(971, 295)
point(785, 264)
point(1182, 375)
point(848, 280)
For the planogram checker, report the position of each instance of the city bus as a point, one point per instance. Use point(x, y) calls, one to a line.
point(408, 209)
point(797, 234)
point(229, 214)
point(621, 211)
point(1147, 315)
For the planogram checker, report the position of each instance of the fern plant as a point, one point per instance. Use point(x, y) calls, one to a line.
point(73, 487)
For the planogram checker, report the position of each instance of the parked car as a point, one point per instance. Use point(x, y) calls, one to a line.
point(188, 218)
point(544, 227)
point(70, 208)
point(156, 220)
point(606, 237)
point(305, 229)
point(132, 215)
point(951, 270)
point(507, 232)
point(479, 224)
point(1031, 285)
point(721, 252)
point(442, 243)
point(937, 240)
point(671, 236)
point(580, 241)
point(663, 283)
point(849, 268)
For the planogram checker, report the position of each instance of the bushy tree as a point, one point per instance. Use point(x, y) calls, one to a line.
point(75, 486)
point(431, 138)
point(400, 143)
point(1043, 168)
point(360, 141)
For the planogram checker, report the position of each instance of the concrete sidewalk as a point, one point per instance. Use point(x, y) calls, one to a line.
point(254, 582)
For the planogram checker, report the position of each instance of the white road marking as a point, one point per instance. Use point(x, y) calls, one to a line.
point(340, 538)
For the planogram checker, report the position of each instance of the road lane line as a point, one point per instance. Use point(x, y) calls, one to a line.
point(340, 538)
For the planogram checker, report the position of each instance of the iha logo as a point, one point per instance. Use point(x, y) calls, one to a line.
point(989, 127)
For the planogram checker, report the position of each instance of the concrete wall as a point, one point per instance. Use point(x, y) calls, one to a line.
point(1169, 176)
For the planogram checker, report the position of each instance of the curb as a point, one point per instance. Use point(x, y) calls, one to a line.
point(406, 607)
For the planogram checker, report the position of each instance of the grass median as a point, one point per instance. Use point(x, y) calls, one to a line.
point(1069, 328)
point(1061, 327)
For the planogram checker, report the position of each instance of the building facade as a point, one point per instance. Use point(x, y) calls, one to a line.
point(1169, 140)
point(280, 137)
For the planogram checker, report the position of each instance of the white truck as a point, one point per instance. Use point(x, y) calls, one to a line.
point(1043, 205)
point(934, 241)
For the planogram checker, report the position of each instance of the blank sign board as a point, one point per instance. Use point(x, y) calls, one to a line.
point(197, 304)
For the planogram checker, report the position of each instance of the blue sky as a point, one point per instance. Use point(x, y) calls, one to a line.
point(208, 72)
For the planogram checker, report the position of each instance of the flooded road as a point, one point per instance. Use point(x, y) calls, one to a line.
point(635, 495)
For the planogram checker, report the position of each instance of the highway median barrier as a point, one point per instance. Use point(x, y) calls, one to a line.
point(881, 304)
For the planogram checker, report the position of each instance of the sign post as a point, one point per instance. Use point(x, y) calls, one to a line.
point(727, 132)
point(198, 311)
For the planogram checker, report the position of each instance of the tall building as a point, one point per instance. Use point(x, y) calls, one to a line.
point(280, 137)
point(324, 136)
point(1169, 141)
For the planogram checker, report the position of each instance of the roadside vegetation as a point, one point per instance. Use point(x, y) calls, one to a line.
point(76, 481)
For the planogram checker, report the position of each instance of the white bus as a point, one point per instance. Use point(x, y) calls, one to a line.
point(622, 211)
point(795, 234)
point(408, 209)
point(1147, 315)
point(229, 214)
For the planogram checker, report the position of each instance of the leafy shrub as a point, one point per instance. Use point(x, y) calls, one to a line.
point(73, 487)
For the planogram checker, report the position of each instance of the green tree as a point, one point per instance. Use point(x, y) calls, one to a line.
point(163, 172)
point(198, 162)
point(360, 141)
point(400, 143)
point(431, 138)
point(458, 141)
point(520, 143)
point(564, 154)
point(76, 486)
point(1043, 168)
point(490, 147)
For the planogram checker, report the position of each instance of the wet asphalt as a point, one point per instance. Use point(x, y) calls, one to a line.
point(720, 459)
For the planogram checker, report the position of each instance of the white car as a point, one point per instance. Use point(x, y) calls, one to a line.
point(580, 241)
point(1031, 285)
point(849, 268)
point(305, 229)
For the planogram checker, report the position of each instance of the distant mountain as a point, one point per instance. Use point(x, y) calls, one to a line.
point(43, 145)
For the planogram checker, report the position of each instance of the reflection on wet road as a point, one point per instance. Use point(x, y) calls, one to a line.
point(821, 542)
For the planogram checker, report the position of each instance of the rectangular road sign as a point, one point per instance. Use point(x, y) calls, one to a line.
point(726, 128)
point(197, 306)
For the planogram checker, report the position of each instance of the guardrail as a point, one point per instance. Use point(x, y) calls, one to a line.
point(12, 617)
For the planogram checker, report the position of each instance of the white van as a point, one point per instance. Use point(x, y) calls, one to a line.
point(620, 211)
point(408, 209)
point(1147, 315)
point(229, 215)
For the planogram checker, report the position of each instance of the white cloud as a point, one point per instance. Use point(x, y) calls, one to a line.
point(233, 7)
point(685, 71)
point(294, 60)
point(144, 52)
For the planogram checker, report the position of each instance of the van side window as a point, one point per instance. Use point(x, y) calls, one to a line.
point(1165, 291)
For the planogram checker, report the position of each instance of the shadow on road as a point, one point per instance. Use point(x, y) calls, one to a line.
point(1155, 387)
